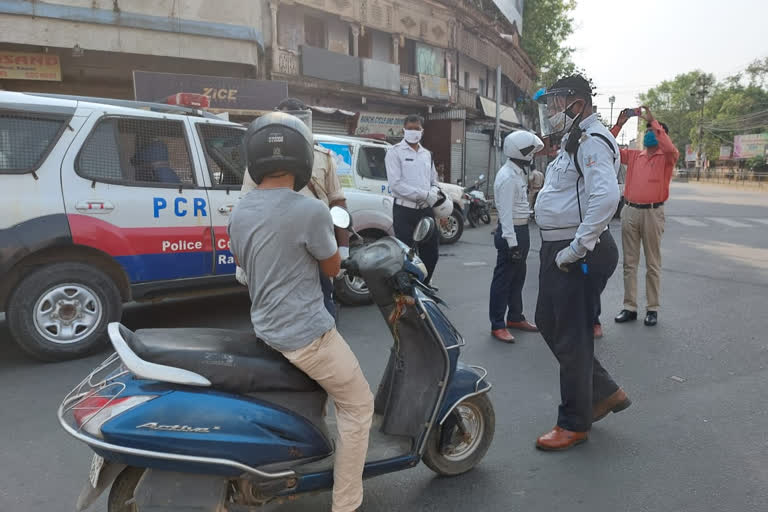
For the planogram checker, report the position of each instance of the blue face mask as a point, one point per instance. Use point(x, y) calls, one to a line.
point(650, 140)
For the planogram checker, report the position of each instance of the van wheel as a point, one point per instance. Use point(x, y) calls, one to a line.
point(451, 228)
point(466, 444)
point(352, 291)
point(61, 311)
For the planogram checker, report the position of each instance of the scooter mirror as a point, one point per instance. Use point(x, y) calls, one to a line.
point(481, 177)
point(424, 229)
point(341, 217)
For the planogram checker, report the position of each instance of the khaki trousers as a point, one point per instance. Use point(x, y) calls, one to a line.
point(329, 361)
point(644, 226)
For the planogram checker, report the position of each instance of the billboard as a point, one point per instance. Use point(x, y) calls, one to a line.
point(725, 152)
point(748, 146)
point(223, 92)
point(30, 66)
point(373, 123)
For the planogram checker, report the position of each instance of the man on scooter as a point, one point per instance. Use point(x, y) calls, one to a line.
point(281, 238)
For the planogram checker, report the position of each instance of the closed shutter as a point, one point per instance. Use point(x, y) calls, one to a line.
point(457, 162)
point(478, 157)
point(328, 125)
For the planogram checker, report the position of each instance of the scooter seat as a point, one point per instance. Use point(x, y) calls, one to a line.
point(234, 361)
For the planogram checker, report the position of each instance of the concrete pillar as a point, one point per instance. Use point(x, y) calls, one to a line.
point(273, 6)
point(396, 49)
point(355, 40)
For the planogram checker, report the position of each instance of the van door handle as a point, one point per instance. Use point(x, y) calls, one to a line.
point(226, 209)
point(95, 206)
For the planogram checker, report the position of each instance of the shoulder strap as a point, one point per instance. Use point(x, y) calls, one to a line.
point(576, 153)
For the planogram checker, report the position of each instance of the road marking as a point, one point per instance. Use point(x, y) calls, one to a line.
point(761, 221)
point(475, 264)
point(729, 222)
point(687, 221)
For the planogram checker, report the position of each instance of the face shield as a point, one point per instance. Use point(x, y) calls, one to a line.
point(555, 115)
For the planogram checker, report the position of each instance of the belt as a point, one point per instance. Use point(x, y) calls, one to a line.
point(410, 204)
point(645, 206)
point(558, 234)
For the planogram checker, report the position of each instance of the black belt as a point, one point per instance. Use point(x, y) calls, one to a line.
point(646, 206)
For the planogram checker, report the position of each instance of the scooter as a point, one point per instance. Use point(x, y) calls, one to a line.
point(479, 207)
point(211, 420)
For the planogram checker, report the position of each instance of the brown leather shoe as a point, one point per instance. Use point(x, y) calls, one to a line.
point(559, 439)
point(617, 402)
point(525, 325)
point(598, 331)
point(503, 335)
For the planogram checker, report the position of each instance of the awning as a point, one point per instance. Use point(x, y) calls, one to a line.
point(507, 115)
point(331, 111)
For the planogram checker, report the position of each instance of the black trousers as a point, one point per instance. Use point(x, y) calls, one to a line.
point(508, 280)
point(564, 315)
point(405, 220)
point(602, 264)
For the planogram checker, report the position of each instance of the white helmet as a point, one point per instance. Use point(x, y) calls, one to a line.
point(443, 208)
point(522, 145)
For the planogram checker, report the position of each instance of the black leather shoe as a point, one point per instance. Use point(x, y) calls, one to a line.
point(651, 318)
point(626, 316)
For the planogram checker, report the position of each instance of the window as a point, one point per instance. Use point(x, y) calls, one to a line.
point(25, 140)
point(407, 56)
point(370, 163)
point(430, 60)
point(137, 152)
point(466, 80)
point(224, 154)
point(314, 32)
point(482, 87)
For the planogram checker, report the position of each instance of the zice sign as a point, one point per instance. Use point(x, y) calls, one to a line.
point(30, 66)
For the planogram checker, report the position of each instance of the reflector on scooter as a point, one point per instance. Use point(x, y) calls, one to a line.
point(95, 411)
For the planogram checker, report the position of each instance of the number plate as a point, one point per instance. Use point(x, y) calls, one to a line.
point(97, 463)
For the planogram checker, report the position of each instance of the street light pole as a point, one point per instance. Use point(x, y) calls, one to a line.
point(611, 100)
point(701, 94)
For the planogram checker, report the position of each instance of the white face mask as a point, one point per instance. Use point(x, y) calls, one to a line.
point(413, 136)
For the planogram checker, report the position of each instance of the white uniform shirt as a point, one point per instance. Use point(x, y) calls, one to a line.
point(557, 206)
point(410, 173)
point(510, 193)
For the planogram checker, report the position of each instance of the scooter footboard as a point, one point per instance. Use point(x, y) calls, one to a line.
point(468, 381)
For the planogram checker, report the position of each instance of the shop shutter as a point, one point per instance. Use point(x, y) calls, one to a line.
point(328, 126)
point(457, 162)
point(478, 157)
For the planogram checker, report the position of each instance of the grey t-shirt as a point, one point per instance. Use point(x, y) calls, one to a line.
point(278, 236)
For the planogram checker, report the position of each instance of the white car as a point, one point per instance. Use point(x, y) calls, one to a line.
point(108, 201)
point(360, 165)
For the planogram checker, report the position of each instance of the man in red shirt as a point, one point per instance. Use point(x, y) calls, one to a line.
point(646, 189)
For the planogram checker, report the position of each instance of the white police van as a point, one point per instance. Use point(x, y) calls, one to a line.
point(107, 201)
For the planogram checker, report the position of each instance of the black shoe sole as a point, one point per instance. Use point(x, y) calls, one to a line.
point(619, 407)
point(650, 324)
point(630, 319)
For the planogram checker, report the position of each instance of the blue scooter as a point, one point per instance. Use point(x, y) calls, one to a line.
point(211, 420)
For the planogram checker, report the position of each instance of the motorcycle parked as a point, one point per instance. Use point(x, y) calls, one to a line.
point(214, 420)
point(479, 209)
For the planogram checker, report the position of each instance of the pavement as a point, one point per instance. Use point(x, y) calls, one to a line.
point(695, 438)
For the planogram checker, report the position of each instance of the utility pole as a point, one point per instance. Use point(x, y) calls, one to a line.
point(611, 100)
point(496, 131)
point(700, 93)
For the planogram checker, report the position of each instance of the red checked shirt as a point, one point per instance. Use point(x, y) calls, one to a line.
point(649, 173)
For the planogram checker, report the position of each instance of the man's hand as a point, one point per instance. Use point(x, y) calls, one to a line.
point(623, 118)
point(515, 255)
point(647, 114)
point(344, 253)
point(566, 257)
point(433, 196)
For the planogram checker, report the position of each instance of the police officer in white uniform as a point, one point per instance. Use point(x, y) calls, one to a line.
point(512, 238)
point(412, 180)
point(573, 209)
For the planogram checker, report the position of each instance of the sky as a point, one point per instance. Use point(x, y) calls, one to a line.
point(628, 47)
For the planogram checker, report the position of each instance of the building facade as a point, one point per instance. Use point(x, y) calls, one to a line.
point(362, 65)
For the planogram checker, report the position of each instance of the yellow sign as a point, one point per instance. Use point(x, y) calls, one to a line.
point(30, 66)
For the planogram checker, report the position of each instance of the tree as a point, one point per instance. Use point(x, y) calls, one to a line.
point(548, 24)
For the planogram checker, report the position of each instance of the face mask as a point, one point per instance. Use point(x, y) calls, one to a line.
point(650, 140)
point(413, 136)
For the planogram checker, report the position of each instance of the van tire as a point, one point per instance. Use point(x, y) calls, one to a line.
point(91, 291)
point(453, 233)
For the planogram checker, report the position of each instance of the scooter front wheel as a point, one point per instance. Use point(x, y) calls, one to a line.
point(461, 448)
point(121, 493)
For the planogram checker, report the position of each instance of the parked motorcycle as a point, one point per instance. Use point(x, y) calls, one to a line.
point(214, 420)
point(479, 208)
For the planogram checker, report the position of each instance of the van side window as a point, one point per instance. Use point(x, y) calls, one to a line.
point(26, 139)
point(370, 163)
point(223, 147)
point(137, 152)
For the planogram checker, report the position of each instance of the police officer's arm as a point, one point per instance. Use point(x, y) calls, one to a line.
point(504, 195)
point(395, 178)
point(602, 190)
point(336, 198)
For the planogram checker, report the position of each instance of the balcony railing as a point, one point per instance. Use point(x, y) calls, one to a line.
point(287, 62)
point(467, 98)
point(409, 84)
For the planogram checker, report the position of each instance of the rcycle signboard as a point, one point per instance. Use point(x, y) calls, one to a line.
point(223, 92)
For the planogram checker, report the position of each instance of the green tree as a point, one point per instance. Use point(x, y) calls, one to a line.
point(548, 23)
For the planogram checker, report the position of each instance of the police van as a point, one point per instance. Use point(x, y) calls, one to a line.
point(107, 201)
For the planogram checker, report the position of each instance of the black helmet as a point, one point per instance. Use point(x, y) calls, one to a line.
point(279, 142)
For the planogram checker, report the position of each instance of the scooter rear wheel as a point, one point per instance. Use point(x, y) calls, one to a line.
point(121, 493)
point(466, 448)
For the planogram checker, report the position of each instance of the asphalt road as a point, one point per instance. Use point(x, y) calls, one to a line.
point(695, 438)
